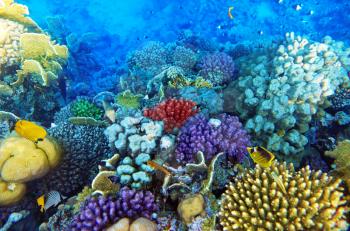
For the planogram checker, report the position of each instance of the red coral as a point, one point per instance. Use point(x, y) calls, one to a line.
point(173, 112)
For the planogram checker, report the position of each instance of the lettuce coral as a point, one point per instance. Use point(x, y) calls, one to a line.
point(314, 201)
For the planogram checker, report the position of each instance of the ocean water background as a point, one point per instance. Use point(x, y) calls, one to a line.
point(100, 34)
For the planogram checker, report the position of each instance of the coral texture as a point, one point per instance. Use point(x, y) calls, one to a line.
point(101, 212)
point(224, 134)
point(218, 68)
point(278, 99)
point(84, 108)
point(313, 201)
point(136, 135)
point(173, 112)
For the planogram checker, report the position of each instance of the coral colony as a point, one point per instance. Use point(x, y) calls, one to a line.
point(199, 131)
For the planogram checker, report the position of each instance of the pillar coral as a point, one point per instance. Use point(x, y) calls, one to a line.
point(173, 112)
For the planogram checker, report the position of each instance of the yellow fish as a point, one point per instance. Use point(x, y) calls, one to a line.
point(30, 130)
point(229, 12)
point(41, 202)
point(261, 156)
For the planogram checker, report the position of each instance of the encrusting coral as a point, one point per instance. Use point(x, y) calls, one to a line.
point(341, 154)
point(313, 201)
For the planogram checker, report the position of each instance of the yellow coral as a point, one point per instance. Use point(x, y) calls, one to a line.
point(10, 193)
point(33, 68)
point(35, 46)
point(103, 185)
point(314, 201)
point(342, 160)
point(191, 207)
point(17, 12)
point(21, 160)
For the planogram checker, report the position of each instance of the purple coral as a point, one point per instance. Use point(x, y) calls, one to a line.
point(218, 68)
point(101, 212)
point(224, 134)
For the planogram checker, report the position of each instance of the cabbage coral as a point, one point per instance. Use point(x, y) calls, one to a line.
point(313, 201)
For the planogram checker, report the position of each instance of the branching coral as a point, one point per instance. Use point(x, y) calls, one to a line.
point(84, 108)
point(224, 134)
point(173, 112)
point(314, 201)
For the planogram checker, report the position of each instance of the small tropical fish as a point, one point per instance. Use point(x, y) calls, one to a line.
point(229, 12)
point(53, 198)
point(30, 130)
point(41, 202)
point(278, 180)
point(156, 166)
point(261, 156)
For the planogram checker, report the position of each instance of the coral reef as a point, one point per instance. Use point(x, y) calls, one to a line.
point(127, 99)
point(184, 57)
point(277, 99)
point(173, 112)
point(137, 135)
point(218, 68)
point(222, 134)
point(313, 201)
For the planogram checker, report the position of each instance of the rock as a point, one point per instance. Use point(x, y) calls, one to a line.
point(191, 207)
point(143, 224)
point(122, 225)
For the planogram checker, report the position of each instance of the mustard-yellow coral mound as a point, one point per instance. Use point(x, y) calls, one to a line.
point(313, 201)
point(10, 193)
point(22, 161)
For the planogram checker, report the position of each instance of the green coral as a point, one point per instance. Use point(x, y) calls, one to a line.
point(127, 99)
point(84, 108)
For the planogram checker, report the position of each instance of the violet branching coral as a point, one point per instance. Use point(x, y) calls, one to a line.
point(98, 213)
point(211, 136)
point(313, 201)
point(218, 68)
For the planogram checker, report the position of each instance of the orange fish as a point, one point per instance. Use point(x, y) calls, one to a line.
point(229, 12)
point(156, 166)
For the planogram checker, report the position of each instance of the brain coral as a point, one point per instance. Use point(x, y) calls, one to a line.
point(283, 88)
point(314, 201)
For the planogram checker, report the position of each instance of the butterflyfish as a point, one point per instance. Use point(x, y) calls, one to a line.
point(41, 202)
point(158, 167)
point(261, 156)
point(229, 12)
point(53, 198)
point(30, 130)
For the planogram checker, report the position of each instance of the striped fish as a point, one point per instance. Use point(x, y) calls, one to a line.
point(261, 156)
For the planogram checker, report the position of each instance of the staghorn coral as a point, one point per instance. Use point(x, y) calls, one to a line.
point(314, 201)
point(341, 154)
point(218, 68)
point(173, 112)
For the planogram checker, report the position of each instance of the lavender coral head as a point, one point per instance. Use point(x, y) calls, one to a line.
point(224, 134)
point(218, 68)
point(101, 212)
point(134, 204)
point(97, 214)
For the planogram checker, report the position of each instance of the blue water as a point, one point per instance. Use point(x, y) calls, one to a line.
point(110, 29)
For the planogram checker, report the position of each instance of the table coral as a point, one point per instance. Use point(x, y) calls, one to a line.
point(283, 88)
point(314, 201)
point(224, 134)
point(173, 112)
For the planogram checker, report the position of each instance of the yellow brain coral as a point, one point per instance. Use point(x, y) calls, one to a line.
point(10, 193)
point(314, 201)
point(22, 161)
